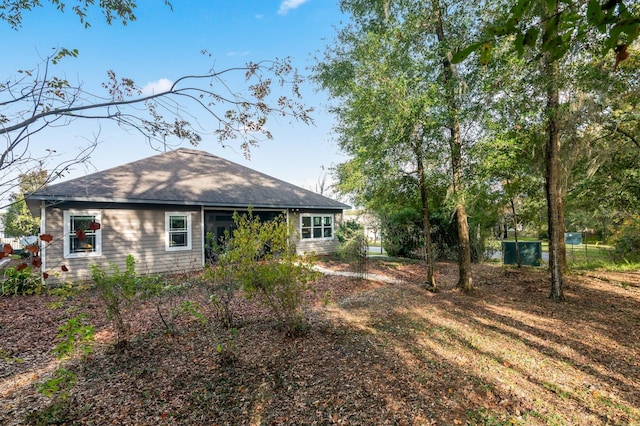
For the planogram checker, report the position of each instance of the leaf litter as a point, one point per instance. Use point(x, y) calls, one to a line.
point(376, 353)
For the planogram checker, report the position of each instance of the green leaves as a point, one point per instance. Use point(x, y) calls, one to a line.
point(461, 55)
point(562, 25)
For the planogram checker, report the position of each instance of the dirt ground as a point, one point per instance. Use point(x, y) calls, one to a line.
point(375, 353)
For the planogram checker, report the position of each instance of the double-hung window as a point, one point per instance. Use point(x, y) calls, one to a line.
point(316, 227)
point(177, 231)
point(82, 233)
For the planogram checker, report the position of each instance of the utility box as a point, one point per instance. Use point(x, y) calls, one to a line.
point(530, 253)
point(573, 238)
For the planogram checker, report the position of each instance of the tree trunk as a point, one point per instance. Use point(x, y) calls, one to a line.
point(515, 227)
point(555, 215)
point(455, 143)
point(515, 232)
point(426, 221)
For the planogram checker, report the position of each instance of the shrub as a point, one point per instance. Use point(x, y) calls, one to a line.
point(401, 233)
point(347, 230)
point(223, 283)
point(627, 240)
point(265, 265)
point(355, 249)
point(117, 290)
point(19, 280)
point(222, 292)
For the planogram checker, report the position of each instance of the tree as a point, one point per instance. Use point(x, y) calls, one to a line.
point(35, 98)
point(11, 11)
point(553, 29)
point(405, 105)
point(18, 220)
point(382, 118)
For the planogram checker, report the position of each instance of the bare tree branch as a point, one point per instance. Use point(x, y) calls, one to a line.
point(194, 105)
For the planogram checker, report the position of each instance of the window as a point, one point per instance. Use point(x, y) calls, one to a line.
point(178, 231)
point(83, 236)
point(316, 227)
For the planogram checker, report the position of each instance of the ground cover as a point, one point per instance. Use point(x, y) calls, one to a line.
point(376, 353)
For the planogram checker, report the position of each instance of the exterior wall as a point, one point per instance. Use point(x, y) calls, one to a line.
point(136, 231)
point(320, 246)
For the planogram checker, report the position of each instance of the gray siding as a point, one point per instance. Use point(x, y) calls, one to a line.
point(317, 246)
point(140, 232)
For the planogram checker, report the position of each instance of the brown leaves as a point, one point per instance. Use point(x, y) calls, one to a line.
point(94, 226)
point(47, 238)
point(621, 54)
point(7, 249)
point(81, 234)
point(376, 354)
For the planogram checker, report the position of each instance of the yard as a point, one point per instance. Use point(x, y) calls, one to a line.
point(376, 353)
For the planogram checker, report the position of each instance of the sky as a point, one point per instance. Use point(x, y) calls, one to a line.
point(164, 44)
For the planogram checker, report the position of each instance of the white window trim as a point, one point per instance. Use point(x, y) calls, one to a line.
point(67, 232)
point(312, 215)
point(167, 221)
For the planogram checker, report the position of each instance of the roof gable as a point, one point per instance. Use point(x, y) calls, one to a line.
point(186, 177)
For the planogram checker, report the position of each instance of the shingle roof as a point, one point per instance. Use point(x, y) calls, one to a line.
point(186, 177)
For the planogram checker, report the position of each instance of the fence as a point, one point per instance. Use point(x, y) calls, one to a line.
point(15, 242)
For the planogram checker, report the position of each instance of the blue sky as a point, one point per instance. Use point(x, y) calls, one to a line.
point(163, 45)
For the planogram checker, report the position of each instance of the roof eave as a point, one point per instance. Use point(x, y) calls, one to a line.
point(66, 199)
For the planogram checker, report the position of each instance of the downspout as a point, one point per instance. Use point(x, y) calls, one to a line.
point(288, 227)
point(43, 245)
point(203, 235)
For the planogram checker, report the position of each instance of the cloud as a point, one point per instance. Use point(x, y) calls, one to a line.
point(159, 86)
point(245, 53)
point(288, 5)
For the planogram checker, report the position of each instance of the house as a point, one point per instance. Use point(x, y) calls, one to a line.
point(160, 209)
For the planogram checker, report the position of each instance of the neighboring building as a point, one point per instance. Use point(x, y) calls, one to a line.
point(159, 209)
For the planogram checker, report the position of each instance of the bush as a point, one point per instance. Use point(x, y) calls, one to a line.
point(117, 290)
point(354, 249)
point(401, 233)
point(260, 259)
point(347, 230)
point(17, 280)
point(627, 240)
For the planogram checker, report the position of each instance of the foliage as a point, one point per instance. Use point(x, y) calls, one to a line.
point(265, 265)
point(614, 24)
point(48, 100)
point(60, 384)
point(400, 233)
point(18, 220)
point(222, 290)
point(16, 280)
point(347, 230)
point(12, 11)
point(117, 290)
point(355, 250)
point(627, 240)
point(227, 348)
point(222, 280)
point(406, 115)
point(212, 247)
point(445, 236)
point(75, 335)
